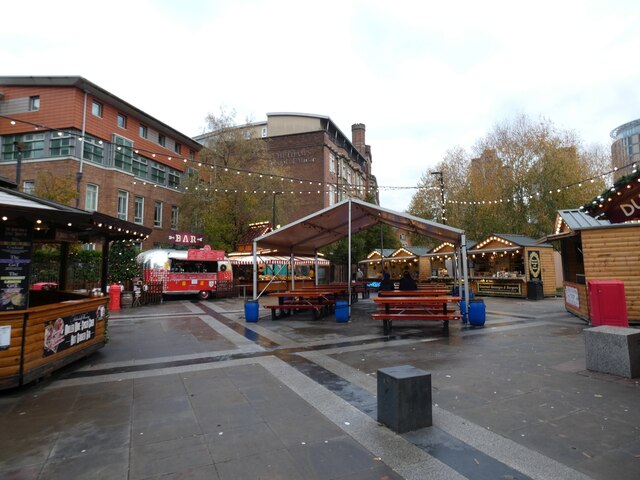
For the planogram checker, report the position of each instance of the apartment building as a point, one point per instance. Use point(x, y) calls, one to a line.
point(119, 160)
point(312, 150)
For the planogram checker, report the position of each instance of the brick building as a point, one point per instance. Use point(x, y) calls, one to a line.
point(120, 161)
point(312, 148)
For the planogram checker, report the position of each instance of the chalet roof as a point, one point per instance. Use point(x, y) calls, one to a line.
point(255, 230)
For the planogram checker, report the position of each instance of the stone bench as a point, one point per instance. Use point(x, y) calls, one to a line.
point(614, 350)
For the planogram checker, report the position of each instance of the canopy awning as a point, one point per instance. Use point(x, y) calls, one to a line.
point(276, 260)
point(307, 235)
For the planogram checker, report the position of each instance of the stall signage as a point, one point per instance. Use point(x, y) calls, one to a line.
point(186, 238)
point(623, 206)
point(571, 296)
point(5, 337)
point(490, 287)
point(535, 272)
point(66, 332)
point(205, 254)
point(15, 262)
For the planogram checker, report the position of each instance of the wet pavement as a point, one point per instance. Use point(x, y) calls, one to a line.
point(188, 389)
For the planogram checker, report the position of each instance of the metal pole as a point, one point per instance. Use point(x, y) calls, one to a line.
point(443, 216)
point(79, 173)
point(273, 210)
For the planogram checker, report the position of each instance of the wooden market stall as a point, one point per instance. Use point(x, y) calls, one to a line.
point(596, 249)
point(42, 330)
point(438, 264)
point(508, 265)
point(274, 270)
point(373, 266)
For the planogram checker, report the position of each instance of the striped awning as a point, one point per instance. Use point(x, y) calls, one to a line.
point(276, 260)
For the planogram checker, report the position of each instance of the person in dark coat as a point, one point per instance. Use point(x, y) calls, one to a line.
point(407, 282)
point(386, 283)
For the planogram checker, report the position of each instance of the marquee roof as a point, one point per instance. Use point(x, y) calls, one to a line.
point(306, 235)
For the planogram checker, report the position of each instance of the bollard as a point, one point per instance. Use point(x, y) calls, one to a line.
point(404, 398)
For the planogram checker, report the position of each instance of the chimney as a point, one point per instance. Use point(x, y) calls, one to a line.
point(357, 136)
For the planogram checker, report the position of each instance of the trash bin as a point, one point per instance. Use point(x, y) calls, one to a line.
point(535, 290)
point(251, 310)
point(342, 311)
point(477, 313)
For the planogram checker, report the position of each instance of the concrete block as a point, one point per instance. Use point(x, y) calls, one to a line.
point(404, 398)
point(614, 350)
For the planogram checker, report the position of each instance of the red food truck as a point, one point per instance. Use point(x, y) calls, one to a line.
point(199, 270)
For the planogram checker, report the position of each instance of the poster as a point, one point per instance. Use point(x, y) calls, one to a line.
point(66, 332)
point(15, 262)
point(5, 337)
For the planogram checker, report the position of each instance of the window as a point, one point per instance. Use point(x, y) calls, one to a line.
point(138, 207)
point(123, 154)
point(332, 162)
point(158, 172)
point(34, 103)
point(123, 201)
point(29, 186)
point(157, 215)
point(96, 109)
point(174, 178)
point(174, 217)
point(91, 198)
point(332, 195)
point(139, 166)
point(178, 147)
point(144, 131)
point(93, 150)
point(122, 120)
point(162, 140)
point(192, 154)
point(62, 144)
point(30, 145)
point(264, 132)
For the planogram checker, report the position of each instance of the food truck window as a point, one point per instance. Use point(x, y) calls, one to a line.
point(184, 266)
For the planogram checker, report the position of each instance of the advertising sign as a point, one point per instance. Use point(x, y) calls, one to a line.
point(535, 268)
point(15, 263)
point(186, 238)
point(67, 332)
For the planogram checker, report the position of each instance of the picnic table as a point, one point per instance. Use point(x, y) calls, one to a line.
point(413, 293)
point(416, 307)
point(319, 301)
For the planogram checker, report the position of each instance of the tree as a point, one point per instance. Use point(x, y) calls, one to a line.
point(122, 262)
point(228, 195)
point(515, 179)
point(57, 188)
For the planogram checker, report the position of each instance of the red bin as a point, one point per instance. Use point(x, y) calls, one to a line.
point(607, 303)
point(114, 296)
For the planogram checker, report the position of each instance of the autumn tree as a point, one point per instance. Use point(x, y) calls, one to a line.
point(57, 188)
point(514, 180)
point(235, 186)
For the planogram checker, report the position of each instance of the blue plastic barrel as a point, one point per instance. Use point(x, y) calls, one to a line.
point(251, 310)
point(342, 311)
point(477, 313)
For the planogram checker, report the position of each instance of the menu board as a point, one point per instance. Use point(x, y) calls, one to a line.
point(15, 263)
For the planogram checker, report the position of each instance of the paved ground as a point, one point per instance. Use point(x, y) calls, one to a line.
point(188, 389)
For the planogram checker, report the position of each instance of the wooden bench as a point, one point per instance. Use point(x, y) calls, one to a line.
point(415, 307)
point(387, 318)
point(287, 308)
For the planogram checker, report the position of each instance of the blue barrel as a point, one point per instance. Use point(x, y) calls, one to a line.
point(251, 310)
point(477, 313)
point(342, 311)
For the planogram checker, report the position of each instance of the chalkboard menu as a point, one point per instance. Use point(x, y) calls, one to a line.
point(15, 262)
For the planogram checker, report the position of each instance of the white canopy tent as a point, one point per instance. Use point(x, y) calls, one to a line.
point(307, 235)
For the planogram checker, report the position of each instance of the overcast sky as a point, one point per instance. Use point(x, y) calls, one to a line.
point(424, 77)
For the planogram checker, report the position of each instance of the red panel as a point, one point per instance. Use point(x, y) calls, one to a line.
point(607, 303)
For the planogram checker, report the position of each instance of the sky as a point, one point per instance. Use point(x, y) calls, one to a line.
point(424, 77)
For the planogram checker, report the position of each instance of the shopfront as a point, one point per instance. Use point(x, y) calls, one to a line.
point(505, 265)
point(42, 329)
